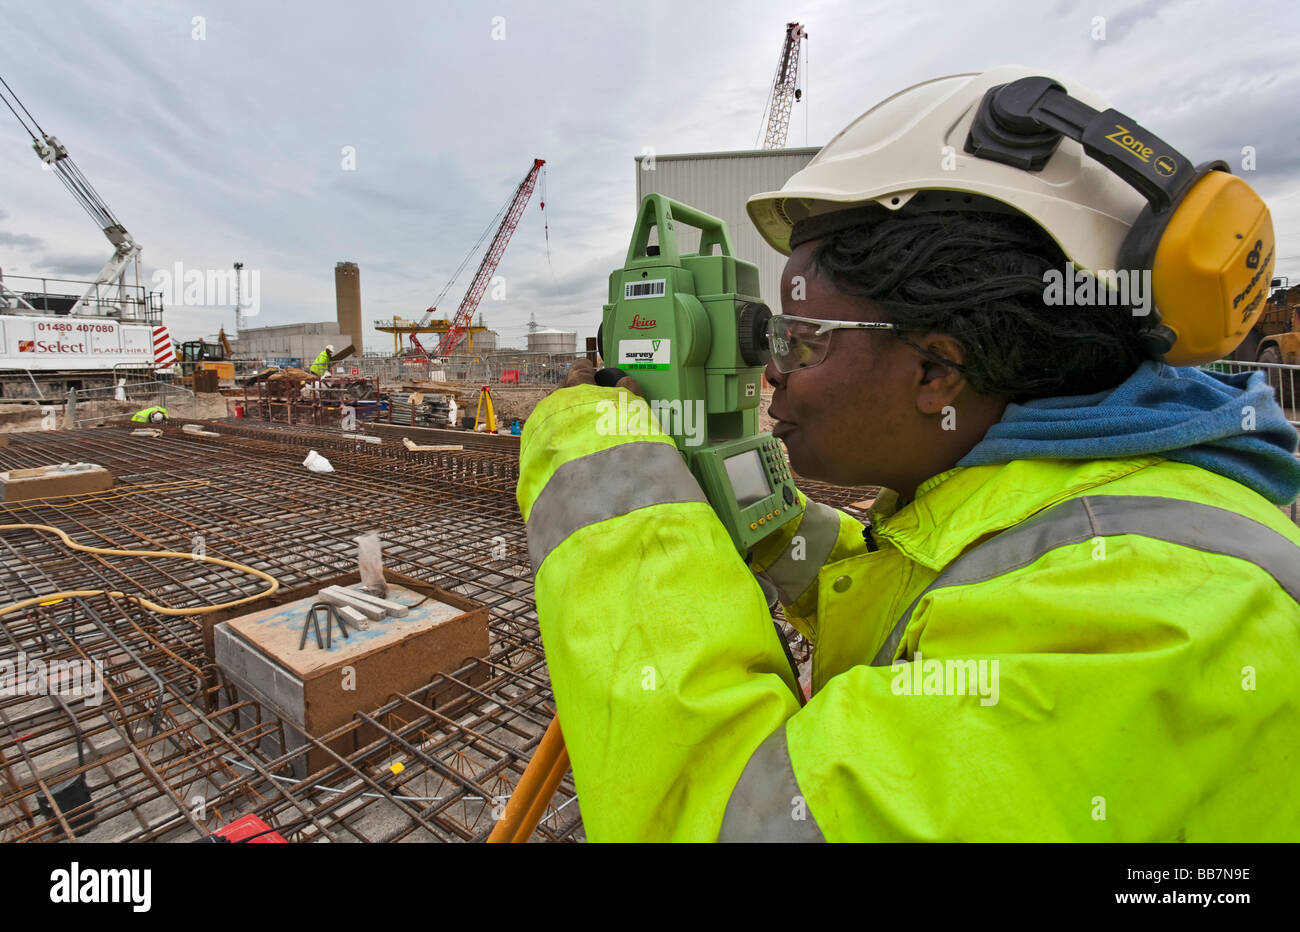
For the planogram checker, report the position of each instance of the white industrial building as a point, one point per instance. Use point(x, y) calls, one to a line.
point(719, 183)
point(291, 344)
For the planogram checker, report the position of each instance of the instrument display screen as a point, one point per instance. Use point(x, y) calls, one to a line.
point(748, 477)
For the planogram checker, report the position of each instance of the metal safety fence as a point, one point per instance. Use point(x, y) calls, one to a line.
point(520, 367)
point(1285, 380)
point(86, 406)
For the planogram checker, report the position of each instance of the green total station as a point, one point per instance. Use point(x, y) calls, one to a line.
point(691, 329)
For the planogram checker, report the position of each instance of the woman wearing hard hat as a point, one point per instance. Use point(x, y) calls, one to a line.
point(1071, 615)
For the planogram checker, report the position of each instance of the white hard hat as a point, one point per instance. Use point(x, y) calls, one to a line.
point(914, 141)
point(329, 348)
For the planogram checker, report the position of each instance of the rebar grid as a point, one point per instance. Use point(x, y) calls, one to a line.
point(166, 732)
point(172, 752)
point(148, 749)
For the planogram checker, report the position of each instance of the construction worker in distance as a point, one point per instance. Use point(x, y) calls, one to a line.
point(1070, 614)
point(154, 415)
point(321, 365)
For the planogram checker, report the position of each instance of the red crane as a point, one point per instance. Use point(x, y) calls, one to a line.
point(474, 293)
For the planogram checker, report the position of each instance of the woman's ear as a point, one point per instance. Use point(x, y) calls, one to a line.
point(939, 385)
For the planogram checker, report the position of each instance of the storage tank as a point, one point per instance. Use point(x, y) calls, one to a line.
point(485, 342)
point(552, 341)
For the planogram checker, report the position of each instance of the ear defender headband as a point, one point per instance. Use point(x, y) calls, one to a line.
point(1205, 236)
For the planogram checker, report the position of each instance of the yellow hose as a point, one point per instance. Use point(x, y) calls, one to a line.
point(152, 606)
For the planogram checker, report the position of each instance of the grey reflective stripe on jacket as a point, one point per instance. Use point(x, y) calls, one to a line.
point(1202, 527)
point(766, 804)
point(604, 485)
point(818, 528)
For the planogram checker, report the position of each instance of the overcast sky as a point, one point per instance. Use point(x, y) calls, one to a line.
point(230, 147)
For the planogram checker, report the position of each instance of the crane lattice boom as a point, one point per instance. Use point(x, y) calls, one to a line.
point(785, 88)
point(55, 156)
point(486, 269)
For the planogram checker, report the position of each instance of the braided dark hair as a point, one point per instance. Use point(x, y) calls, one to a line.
point(978, 277)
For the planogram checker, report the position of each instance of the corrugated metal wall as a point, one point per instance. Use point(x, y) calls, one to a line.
point(719, 183)
point(303, 341)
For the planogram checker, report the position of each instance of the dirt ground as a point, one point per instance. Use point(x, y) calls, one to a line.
point(18, 418)
point(509, 401)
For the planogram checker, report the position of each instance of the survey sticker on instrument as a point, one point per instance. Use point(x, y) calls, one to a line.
point(644, 354)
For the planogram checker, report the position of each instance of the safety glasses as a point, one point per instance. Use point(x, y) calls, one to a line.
point(802, 342)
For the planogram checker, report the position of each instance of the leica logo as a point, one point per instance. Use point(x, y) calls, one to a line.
point(640, 323)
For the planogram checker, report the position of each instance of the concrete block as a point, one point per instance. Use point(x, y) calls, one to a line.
point(316, 690)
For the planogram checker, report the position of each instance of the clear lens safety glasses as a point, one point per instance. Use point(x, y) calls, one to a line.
point(802, 342)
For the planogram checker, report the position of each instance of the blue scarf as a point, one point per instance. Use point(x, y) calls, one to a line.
point(1228, 424)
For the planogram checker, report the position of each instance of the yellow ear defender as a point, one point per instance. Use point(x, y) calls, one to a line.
point(1205, 237)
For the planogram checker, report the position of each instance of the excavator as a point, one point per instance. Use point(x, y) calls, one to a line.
point(1275, 340)
point(1276, 336)
point(200, 356)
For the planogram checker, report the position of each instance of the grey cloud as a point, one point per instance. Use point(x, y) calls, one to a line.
point(373, 195)
point(70, 266)
point(19, 240)
point(1122, 24)
point(588, 286)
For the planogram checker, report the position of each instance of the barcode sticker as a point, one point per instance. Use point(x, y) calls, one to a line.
point(655, 288)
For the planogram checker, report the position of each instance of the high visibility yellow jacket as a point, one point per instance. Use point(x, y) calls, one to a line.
point(145, 414)
point(1093, 683)
point(321, 364)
